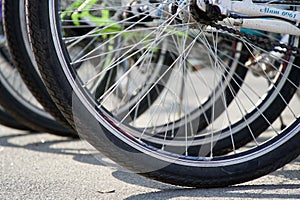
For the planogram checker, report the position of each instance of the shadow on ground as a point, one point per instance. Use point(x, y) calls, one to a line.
point(79, 153)
point(239, 192)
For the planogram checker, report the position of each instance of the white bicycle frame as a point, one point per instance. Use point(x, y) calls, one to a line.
point(276, 22)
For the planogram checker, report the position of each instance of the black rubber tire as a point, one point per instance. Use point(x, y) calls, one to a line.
point(24, 64)
point(7, 120)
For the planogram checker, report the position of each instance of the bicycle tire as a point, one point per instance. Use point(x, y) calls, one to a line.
point(114, 140)
point(20, 54)
point(7, 120)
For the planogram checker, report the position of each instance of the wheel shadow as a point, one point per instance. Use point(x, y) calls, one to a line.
point(43, 142)
point(80, 151)
point(84, 153)
point(246, 190)
point(234, 192)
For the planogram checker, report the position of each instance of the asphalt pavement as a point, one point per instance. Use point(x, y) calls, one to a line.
point(44, 166)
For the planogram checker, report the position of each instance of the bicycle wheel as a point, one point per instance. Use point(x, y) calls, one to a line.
point(17, 100)
point(172, 158)
point(18, 45)
point(216, 96)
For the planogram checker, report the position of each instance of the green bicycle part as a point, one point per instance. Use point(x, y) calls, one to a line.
point(80, 10)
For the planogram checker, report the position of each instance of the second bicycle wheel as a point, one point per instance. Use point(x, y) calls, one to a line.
point(34, 101)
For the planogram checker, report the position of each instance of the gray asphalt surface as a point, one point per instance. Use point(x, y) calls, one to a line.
point(44, 166)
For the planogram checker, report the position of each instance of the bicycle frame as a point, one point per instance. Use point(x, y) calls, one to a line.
point(246, 14)
point(263, 17)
